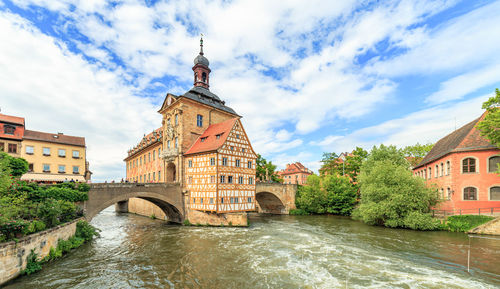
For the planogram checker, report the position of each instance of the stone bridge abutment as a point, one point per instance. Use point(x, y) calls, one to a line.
point(275, 198)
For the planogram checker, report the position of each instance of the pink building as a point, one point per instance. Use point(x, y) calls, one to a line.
point(463, 166)
point(295, 173)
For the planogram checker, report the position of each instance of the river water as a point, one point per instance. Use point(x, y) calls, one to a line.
point(274, 252)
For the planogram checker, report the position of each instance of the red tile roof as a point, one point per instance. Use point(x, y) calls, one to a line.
point(54, 138)
point(12, 119)
point(208, 141)
point(466, 138)
point(294, 168)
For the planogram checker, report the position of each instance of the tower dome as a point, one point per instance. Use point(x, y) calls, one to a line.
point(201, 70)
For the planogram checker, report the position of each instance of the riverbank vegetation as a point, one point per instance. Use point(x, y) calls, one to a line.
point(464, 223)
point(84, 233)
point(27, 208)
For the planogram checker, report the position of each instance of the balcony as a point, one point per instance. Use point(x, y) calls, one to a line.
point(169, 154)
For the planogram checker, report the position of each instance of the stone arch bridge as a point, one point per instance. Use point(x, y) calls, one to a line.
point(273, 198)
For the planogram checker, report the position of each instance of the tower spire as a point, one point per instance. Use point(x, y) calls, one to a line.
point(201, 44)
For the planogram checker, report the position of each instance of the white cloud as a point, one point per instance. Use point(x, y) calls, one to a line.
point(57, 91)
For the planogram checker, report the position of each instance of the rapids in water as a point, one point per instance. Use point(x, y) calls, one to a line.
point(274, 252)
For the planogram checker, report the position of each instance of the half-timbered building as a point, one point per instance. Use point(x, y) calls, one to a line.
point(220, 169)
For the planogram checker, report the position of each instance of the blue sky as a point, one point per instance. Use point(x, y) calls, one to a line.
point(307, 76)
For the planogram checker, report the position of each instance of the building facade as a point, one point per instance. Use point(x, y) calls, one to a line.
point(54, 157)
point(143, 163)
point(188, 123)
point(11, 134)
point(295, 173)
point(51, 157)
point(220, 169)
point(462, 166)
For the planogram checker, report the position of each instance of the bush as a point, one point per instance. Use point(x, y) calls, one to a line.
point(33, 264)
point(49, 212)
point(464, 223)
point(34, 226)
point(391, 196)
point(85, 231)
point(12, 228)
point(298, 212)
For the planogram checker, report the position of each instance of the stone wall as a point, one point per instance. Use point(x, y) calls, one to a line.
point(490, 228)
point(13, 256)
point(145, 208)
point(213, 219)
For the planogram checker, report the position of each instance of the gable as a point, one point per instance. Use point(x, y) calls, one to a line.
point(169, 100)
point(238, 140)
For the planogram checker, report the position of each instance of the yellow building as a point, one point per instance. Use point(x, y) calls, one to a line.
point(54, 157)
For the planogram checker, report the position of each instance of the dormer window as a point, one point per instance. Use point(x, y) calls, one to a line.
point(218, 136)
point(9, 129)
point(203, 139)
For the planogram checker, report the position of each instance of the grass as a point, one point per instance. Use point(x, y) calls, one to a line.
point(465, 223)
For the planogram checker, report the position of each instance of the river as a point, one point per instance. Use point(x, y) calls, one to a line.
point(274, 252)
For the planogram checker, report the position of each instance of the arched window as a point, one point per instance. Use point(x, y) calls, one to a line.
point(448, 168)
point(469, 165)
point(493, 164)
point(448, 193)
point(436, 172)
point(430, 173)
point(204, 77)
point(442, 170)
point(495, 193)
point(470, 193)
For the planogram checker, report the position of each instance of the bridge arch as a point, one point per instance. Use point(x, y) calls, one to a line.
point(167, 197)
point(275, 198)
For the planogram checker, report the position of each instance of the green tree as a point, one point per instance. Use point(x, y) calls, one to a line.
point(265, 170)
point(18, 166)
point(490, 125)
point(391, 196)
point(351, 166)
point(416, 153)
point(5, 172)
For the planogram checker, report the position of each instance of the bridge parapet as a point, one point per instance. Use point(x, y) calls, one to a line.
point(285, 193)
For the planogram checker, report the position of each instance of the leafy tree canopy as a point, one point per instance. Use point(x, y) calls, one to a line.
point(350, 167)
point(266, 170)
point(17, 166)
point(417, 152)
point(490, 125)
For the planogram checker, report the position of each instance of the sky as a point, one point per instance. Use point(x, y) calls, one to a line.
point(308, 77)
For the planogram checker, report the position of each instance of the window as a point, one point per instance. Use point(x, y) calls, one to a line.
point(190, 163)
point(495, 193)
point(211, 200)
point(222, 200)
point(237, 136)
point(232, 148)
point(46, 168)
point(240, 180)
point(190, 180)
point(224, 161)
point(140, 160)
point(436, 171)
point(168, 143)
point(159, 149)
point(469, 165)
point(212, 161)
point(430, 173)
point(424, 174)
point(2, 146)
point(176, 142)
point(237, 163)
point(442, 170)
point(212, 179)
point(218, 136)
point(203, 139)
point(12, 148)
point(140, 179)
point(201, 200)
point(30, 150)
point(249, 200)
point(250, 181)
point(229, 179)
point(61, 153)
point(76, 169)
point(194, 200)
point(249, 164)
point(62, 169)
point(176, 119)
point(448, 168)
point(448, 193)
point(243, 150)
point(159, 176)
point(231, 200)
point(154, 176)
point(149, 157)
point(470, 193)
point(199, 120)
point(493, 164)
point(9, 129)
point(76, 154)
point(222, 179)
point(236, 200)
point(149, 177)
point(30, 167)
point(204, 77)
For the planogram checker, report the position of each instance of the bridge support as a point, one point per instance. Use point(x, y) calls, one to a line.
point(121, 207)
